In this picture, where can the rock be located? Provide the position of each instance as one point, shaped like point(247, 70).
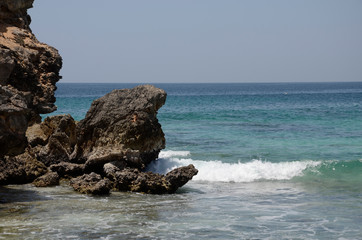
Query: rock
point(54, 139)
point(66, 169)
point(14, 12)
point(13, 121)
point(125, 178)
point(122, 126)
point(147, 182)
point(23, 168)
point(110, 169)
point(180, 176)
point(47, 180)
point(26, 64)
point(28, 73)
point(91, 184)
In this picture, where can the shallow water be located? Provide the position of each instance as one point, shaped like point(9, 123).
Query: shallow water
point(276, 161)
point(256, 210)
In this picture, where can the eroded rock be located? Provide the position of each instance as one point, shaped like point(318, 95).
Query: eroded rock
point(28, 73)
point(13, 121)
point(122, 126)
point(180, 176)
point(23, 168)
point(147, 182)
point(91, 184)
point(67, 169)
point(47, 180)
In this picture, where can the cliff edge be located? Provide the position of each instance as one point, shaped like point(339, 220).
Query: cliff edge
point(29, 71)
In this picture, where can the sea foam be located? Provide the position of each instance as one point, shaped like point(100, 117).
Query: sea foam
point(217, 171)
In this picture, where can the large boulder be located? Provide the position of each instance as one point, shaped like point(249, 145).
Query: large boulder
point(122, 126)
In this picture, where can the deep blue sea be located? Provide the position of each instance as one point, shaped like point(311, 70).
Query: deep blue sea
point(275, 160)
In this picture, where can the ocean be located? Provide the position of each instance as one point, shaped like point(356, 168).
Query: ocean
point(275, 161)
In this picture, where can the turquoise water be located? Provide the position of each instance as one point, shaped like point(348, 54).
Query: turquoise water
point(276, 161)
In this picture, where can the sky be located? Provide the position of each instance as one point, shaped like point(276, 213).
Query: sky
point(195, 41)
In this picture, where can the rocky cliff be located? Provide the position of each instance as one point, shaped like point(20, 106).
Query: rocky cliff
point(29, 70)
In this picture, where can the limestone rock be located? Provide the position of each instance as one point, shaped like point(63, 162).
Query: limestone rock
point(47, 180)
point(91, 184)
point(28, 73)
point(67, 169)
point(23, 168)
point(110, 169)
point(15, 12)
point(147, 182)
point(13, 121)
point(28, 65)
point(180, 176)
point(54, 139)
point(122, 126)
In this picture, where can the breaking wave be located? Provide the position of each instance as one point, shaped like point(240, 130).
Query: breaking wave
point(255, 170)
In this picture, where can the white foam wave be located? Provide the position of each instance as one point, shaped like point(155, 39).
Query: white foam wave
point(171, 153)
point(217, 171)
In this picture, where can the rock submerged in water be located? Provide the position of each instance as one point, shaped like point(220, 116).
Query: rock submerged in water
point(47, 180)
point(110, 147)
point(91, 184)
point(148, 182)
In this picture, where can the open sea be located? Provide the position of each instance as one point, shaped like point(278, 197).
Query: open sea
point(276, 161)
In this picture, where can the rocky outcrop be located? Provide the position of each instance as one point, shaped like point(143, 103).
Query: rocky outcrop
point(28, 73)
point(110, 147)
point(54, 139)
point(23, 168)
point(68, 170)
point(47, 180)
point(148, 182)
point(91, 184)
point(122, 126)
point(13, 121)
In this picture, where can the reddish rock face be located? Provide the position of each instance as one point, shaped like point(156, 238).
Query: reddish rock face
point(29, 70)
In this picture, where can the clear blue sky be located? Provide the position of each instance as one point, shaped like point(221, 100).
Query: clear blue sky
point(203, 40)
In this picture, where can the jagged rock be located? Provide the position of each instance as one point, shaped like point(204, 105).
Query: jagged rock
point(47, 180)
point(26, 64)
point(28, 73)
point(180, 176)
point(125, 178)
point(122, 126)
point(23, 168)
point(66, 169)
point(148, 182)
point(91, 184)
point(13, 121)
point(110, 169)
point(14, 12)
point(54, 139)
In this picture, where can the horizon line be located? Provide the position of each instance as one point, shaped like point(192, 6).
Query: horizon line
point(201, 82)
